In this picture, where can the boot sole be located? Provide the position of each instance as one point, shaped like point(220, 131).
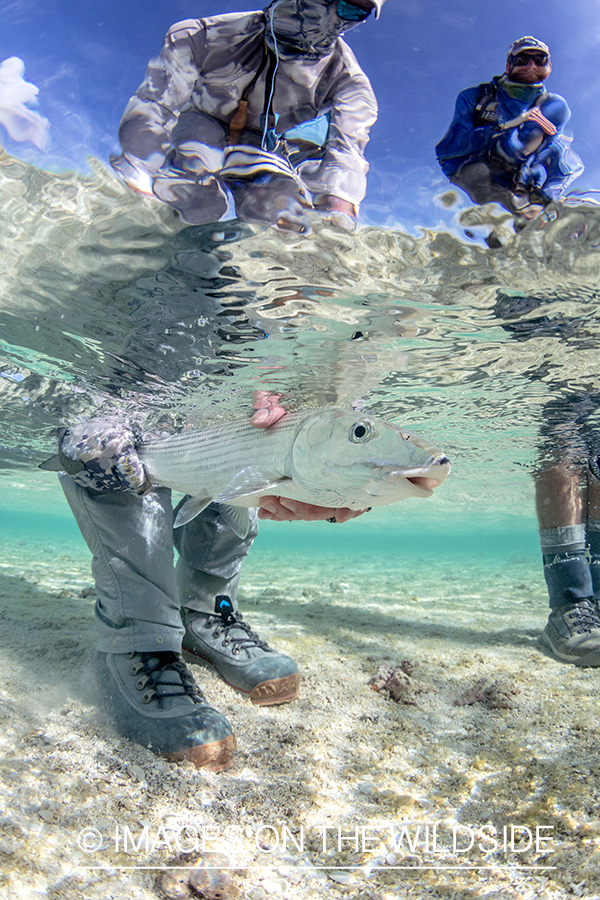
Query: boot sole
point(215, 756)
point(267, 693)
point(590, 660)
point(280, 690)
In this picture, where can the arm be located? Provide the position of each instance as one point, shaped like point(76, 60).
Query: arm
point(541, 124)
point(462, 139)
point(151, 114)
point(339, 182)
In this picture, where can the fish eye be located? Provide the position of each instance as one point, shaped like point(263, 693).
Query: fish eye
point(361, 432)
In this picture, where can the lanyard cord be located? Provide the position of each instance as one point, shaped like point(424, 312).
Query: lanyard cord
point(250, 86)
point(268, 104)
point(270, 82)
point(238, 122)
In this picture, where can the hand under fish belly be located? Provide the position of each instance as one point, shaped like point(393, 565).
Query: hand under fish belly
point(280, 509)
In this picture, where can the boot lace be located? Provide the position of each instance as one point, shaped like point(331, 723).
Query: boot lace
point(164, 675)
point(248, 640)
point(584, 616)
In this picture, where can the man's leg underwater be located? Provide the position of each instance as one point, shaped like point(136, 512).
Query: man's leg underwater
point(476, 180)
point(147, 690)
point(208, 573)
point(572, 632)
point(593, 533)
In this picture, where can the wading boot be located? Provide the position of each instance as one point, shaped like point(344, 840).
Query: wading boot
point(152, 699)
point(572, 633)
point(241, 658)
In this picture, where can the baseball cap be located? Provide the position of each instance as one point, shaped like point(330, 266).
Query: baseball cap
point(527, 43)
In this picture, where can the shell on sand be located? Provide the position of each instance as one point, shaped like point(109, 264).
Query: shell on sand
point(209, 876)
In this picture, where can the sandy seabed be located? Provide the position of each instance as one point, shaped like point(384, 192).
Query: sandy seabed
point(321, 788)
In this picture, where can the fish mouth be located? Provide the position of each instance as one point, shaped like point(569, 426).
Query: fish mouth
point(425, 479)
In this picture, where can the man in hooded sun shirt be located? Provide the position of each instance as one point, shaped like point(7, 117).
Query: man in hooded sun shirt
point(264, 115)
point(227, 115)
point(505, 142)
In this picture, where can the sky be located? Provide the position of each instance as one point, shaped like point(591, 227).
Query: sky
point(86, 59)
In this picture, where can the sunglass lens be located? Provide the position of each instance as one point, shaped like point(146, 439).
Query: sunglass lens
point(347, 10)
point(522, 59)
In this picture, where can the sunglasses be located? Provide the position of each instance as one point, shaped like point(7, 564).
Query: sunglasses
point(522, 59)
point(354, 12)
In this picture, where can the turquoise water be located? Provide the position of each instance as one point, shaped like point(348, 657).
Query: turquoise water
point(410, 541)
point(109, 303)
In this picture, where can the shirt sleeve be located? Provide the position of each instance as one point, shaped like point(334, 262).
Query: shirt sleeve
point(342, 171)
point(555, 109)
point(152, 112)
point(462, 139)
point(514, 142)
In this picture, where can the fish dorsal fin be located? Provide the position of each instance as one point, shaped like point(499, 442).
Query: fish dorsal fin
point(249, 481)
point(190, 509)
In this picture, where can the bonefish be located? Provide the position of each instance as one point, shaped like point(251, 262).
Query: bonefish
point(327, 457)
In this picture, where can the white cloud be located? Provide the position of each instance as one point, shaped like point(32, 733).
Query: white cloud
point(16, 94)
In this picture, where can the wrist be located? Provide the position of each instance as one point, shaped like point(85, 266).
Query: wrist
point(331, 203)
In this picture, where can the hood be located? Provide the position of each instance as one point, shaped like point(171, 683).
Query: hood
point(307, 28)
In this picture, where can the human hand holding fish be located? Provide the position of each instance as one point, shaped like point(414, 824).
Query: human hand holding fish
point(91, 451)
point(101, 454)
point(268, 409)
point(282, 509)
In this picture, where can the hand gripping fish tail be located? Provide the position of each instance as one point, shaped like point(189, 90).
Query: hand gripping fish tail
point(101, 454)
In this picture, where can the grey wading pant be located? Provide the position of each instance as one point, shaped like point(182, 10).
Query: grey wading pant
point(139, 591)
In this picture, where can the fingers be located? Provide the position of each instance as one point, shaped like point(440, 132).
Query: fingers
point(132, 475)
point(264, 418)
point(545, 124)
point(268, 409)
point(282, 509)
point(344, 515)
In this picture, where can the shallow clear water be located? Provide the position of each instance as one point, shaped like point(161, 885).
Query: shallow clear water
point(109, 302)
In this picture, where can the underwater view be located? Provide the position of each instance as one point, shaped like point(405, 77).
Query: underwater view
point(207, 308)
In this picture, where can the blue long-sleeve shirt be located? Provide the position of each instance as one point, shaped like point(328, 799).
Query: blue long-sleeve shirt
point(466, 141)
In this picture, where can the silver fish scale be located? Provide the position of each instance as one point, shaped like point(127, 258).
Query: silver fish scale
point(204, 462)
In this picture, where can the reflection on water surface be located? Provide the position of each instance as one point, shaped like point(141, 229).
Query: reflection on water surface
point(107, 298)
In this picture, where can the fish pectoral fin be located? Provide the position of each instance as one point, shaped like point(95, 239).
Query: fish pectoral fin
point(190, 509)
point(248, 482)
point(238, 519)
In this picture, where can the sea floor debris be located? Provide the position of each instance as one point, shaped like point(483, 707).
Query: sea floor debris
point(311, 775)
point(399, 683)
